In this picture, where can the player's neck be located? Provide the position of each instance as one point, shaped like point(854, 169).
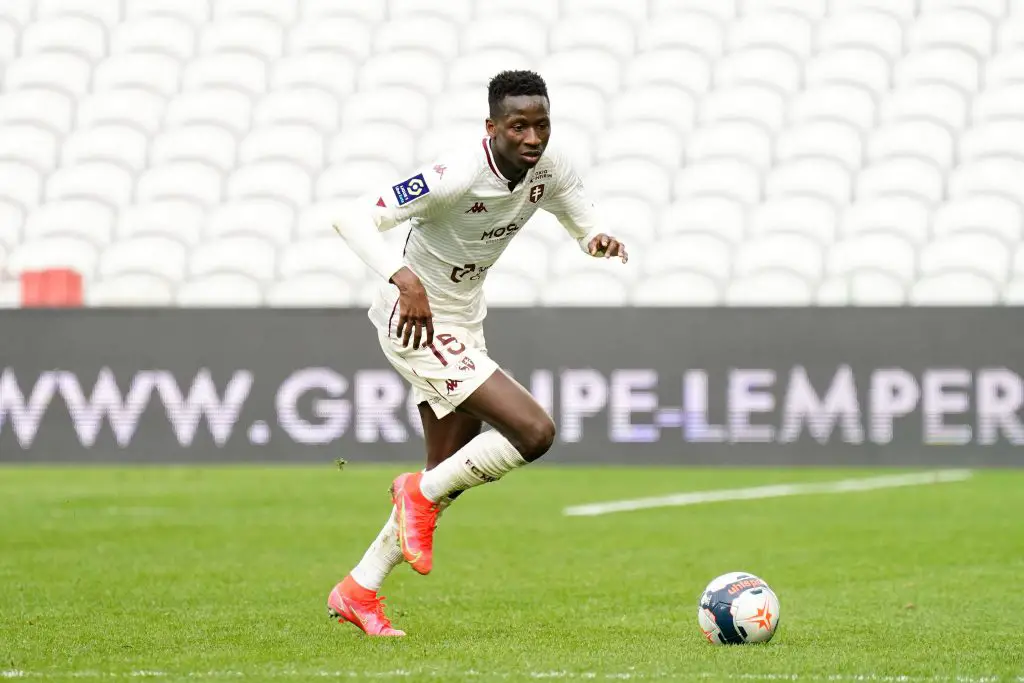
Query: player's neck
point(508, 171)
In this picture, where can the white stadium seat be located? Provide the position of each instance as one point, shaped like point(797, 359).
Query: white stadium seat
point(600, 30)
point(531, 255)
point(321, 34)
point(248, 255)
point(408, 108)
point(441, 140)
point(992, 9)
point(315, 220)
point(18, 11)
point(953, 28)
point(220, 290)
point(811, 217)
point(990, 214)
point(632, 178)
point(69, 34)
point(504, 32)
point(425, 33)
point(250, 34)
point(567, 259)
point(676, 289)
point(206, 144)
point(633, 13)
point(695, 31)
point(504, 289)
point(354, 178)
point(730, 178)
point(539, 13)
point(835, 140)
point(65, 73)
point(925, 140)
point(475, 69)
point(752, 103)
point(328, 71)
point(1011, 34)
point(11, 220)
point(816, 177)
point(194, 12)
point(904, 216)
point(676, 67)
point(771, 288)
point(993, 139)
point(164, 257)
point(20, 184)
point(851, 104)
point(577, 105)
point(629, 217)
point(457, 11)
point(387, 142)
point(720, 216)
point(178, 219)
point(723, 10)
point(937, 102)
point(975, 252)
point(9, 33)
point(369, 12)
point(76, 217)
point(988, 176)
point(301, 105)
point(96, 180)
point(906, 176)
point(156, 73)
point(130, 290)
point(281, 180)
point(953, 289)
point(904, 10)
point(882, 252)
point(64, 251)
point(183, 180)
point(778, 252)
point(858, 66)
point(694, 253)
point(743, 140)
point(867, 288)
point(786, 31)
point(326, 254)
point(39, 107)
point(949, 65)
point(245, 73)
point(1013, 293)
point(140, 109)
point(880, 31)
point(660, 103)
point(1005, 68)
point(585, 289)
point(107, 12)
point(311, 290)
point(766, 66)
point(813, 10)
point(268, 219)
point(279, 12)
point(112, 143)
point(656, 142)
point(589, 67)
point(29, 144)
point(298, 144)
point(172, 36)
point(1003, 102)
point(413, 69)
point(229, 109)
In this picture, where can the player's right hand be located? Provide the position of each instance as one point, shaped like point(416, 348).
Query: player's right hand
point(415, 321)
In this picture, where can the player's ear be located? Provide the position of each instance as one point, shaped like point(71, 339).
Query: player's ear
point(491, 127)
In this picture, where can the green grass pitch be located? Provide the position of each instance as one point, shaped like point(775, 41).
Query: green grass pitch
point(222, 574)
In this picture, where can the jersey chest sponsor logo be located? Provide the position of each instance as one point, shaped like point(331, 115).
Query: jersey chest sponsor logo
point(497, 233)
point(411, 189)
point(542, 174)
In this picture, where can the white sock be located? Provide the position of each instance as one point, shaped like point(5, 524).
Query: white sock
point(488, 457)
point(383, 555)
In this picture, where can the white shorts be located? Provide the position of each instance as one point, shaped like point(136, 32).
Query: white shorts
point(448, 371)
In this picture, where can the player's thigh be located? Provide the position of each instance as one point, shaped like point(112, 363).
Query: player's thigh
point(507, 406)
point(444, 436)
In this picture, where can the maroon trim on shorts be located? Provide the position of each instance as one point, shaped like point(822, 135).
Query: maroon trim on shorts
point(393, 309)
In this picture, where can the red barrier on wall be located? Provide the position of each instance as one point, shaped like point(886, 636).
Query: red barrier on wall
point(55, 288)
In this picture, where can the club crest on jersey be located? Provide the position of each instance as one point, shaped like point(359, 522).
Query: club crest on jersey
point(536, 192)
point(411, 189)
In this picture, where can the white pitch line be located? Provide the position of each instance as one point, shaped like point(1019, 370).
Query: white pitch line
point(774, 491)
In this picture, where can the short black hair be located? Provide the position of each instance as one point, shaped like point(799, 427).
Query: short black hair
point(513, 84)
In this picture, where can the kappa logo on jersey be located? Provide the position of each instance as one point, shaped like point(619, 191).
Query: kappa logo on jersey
point(440, 169)
point(477, 208)
point(412, 188)
point(451, 385)
point(536, 192)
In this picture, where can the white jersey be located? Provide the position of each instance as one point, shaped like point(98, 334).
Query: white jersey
point(461, 215)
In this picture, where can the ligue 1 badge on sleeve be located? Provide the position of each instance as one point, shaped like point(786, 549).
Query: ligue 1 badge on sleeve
point(411, 189)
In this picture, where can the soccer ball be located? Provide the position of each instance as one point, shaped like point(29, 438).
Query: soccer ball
point(738, 608)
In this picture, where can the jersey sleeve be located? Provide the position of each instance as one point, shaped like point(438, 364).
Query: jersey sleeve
point(426, 193)
point(572, 205)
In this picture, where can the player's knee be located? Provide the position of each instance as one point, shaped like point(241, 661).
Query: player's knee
point(536, 440)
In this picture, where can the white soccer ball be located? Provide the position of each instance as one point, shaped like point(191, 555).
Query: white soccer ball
point(738, 608)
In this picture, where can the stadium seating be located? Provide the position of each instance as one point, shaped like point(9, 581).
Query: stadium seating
point(750, 152)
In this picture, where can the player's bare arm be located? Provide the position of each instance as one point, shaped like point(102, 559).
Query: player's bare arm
point(415, 320)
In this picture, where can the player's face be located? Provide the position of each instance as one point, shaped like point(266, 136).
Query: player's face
point(521, 133)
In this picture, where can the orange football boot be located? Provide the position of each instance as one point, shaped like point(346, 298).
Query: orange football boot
point(417, 519)
point(351, 602)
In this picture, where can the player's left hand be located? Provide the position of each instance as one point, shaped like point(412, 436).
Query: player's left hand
point(607, 246)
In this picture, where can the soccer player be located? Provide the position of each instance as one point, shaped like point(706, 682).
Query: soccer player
point(462, 212)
